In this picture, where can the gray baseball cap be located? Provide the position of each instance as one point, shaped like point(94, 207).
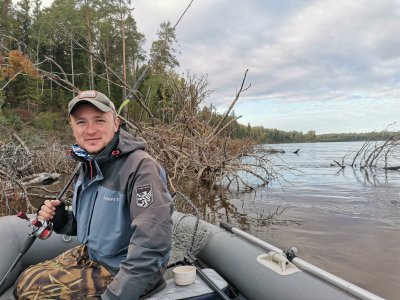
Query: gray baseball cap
point(99, 100)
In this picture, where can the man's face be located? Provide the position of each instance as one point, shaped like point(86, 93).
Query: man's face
point(92, 128)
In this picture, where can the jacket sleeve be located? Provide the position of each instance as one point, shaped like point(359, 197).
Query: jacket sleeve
point(150, 244)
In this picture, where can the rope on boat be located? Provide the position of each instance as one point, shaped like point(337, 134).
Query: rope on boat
point(189, 234)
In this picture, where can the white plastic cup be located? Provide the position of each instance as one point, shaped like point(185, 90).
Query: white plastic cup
point(184, 275)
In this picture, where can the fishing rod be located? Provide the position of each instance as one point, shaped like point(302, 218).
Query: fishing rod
point(303, 265)
point(41, 229)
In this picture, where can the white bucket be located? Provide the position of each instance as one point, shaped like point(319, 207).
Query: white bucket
point(184, 275)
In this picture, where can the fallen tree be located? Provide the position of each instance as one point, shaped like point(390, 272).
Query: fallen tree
point(375, 153)
point(25, 166)
point(195, 149)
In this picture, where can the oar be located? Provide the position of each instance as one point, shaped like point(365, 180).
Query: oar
point(324, 275)
point(40, 228)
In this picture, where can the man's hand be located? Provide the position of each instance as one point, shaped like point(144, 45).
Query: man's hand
point(48, 209)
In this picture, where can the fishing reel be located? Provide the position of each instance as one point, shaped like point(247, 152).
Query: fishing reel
point(42, 229)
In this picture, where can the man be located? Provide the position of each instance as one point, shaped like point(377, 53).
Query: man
point(121, 214)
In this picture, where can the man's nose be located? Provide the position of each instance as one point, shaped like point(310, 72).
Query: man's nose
point(91, 127)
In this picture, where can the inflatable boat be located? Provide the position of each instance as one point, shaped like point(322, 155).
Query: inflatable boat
point(231, 264)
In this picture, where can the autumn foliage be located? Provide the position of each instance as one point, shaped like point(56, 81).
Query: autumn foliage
point(16, 63)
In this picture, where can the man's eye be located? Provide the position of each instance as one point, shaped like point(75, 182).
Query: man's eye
point(80, 123)
point(100, 121)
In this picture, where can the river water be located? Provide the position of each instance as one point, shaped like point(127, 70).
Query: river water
point(346, 221)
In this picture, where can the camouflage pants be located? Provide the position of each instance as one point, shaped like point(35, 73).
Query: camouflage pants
point(71, 275)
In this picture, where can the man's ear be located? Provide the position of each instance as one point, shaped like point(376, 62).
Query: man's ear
point(117, 123)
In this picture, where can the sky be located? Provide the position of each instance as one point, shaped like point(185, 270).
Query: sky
point(325, 65)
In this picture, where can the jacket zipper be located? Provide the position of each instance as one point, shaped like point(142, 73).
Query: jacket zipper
point(91, 169)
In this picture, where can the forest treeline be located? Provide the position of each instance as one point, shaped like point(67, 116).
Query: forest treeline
point(46, 54)
point(267, 135)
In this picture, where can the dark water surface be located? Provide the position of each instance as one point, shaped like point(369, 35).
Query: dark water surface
point(344, 221)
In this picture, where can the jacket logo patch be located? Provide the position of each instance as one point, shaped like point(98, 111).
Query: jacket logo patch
point(144, 195)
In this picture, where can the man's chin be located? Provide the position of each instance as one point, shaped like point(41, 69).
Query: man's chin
point(93, 150)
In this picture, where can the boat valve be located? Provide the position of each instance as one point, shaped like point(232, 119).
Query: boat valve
point(42, 229)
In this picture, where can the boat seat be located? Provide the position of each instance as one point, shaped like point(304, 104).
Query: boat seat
point(199, 290)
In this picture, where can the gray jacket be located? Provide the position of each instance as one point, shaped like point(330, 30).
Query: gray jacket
point(122, 212)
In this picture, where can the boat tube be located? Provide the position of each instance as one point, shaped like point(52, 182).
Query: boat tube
point(253, 268)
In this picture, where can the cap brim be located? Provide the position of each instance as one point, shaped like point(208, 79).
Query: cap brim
point(95, 103)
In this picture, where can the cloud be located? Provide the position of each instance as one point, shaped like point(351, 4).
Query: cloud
point(297, 53)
